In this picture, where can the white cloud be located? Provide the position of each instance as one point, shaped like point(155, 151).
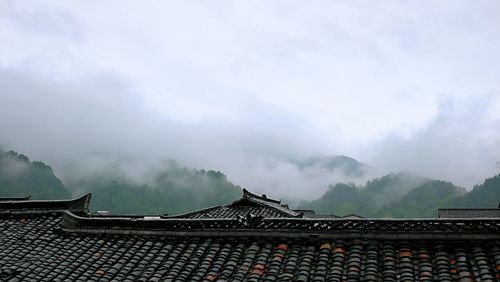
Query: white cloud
point(244, 80)
point(460, 144)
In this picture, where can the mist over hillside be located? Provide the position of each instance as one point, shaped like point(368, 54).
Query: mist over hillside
point(366, 199)
point(308, 177)
point(424, 200)
point(20, 177)
point(300, 178)
point(342, 164)
point(418, 197)
point(284, 98)
point(173, 188)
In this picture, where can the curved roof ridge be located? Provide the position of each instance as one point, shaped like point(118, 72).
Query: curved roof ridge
point(187, 214)
point(80, 204)
point(263, 200)
point(263, 197)
point(367, 228)
point(23, 198)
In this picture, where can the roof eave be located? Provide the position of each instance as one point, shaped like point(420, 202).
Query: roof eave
point(80, 205)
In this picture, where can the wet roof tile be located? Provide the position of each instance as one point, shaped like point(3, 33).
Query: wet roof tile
point(34, 246)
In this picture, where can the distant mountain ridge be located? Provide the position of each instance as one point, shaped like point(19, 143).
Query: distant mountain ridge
point(485, 195)
point(365, 200)
point(404, 195)
point(176, 189)
point(347, 165)
point(424, 200)
point(392, 187)
point(21, 177)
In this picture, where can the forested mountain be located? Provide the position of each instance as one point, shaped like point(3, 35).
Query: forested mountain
point(342, 199)
point(20, 177)
point(404, 195)
point(175, 189)
point(346, 165)
point(423, 201)
point(486, 195)
point(391, 187)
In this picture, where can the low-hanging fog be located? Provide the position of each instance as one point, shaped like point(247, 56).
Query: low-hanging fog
point(253, 89)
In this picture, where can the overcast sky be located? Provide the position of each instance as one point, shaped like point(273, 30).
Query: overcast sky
point(244, 86)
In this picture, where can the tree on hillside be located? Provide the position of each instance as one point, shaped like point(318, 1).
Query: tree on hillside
point(486, 195)
point(20, 177)
point(175, 189)
point(342, 199)
point(423, 201)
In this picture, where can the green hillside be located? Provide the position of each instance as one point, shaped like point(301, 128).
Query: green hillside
point(486, 195)
point(391, 187)
point(175, 189)
point(20, 177)
point(423, 201)
point(348, 166)
point(342, 199)
point(397, 195)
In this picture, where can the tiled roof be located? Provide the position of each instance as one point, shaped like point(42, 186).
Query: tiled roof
point(329, 228)
point(256, 205)
point(231, 212)
point(249, 204)
point(45, 244)
point(34, 248)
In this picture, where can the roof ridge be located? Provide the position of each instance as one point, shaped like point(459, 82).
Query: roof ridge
point(476, 229)
point(263, 197)
point(280, 208)
point(23, 198)
point(270, 203)
point(182, 215)
point(80, 204)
